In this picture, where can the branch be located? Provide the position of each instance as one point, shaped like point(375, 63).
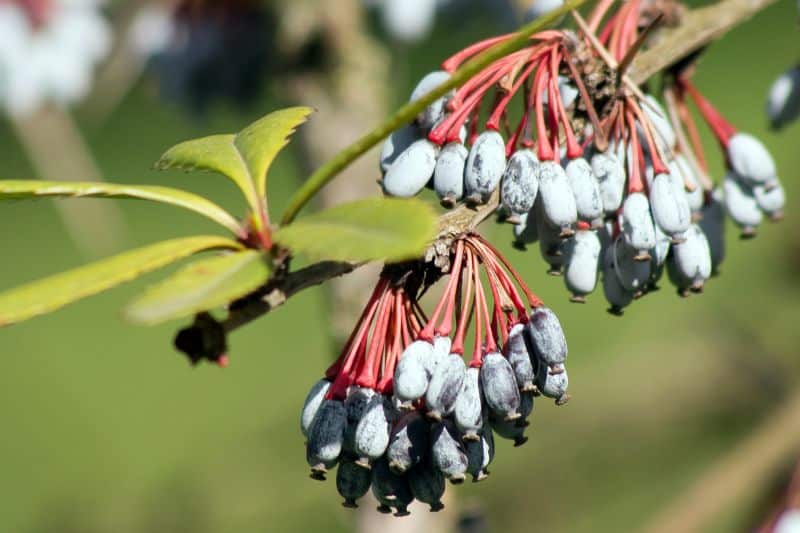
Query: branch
point(698, 28)
point(743, 471)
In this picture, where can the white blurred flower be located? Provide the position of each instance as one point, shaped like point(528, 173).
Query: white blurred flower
point(49, 57)
point(409, 20)
point(152, 30)
point(789, 522)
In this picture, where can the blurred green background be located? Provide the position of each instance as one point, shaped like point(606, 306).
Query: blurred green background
point(106, 428)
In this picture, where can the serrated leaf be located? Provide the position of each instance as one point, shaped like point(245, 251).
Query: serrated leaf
point(388, 229)
point(244, 158)
point(200, 286)
point(260, 142)
point(51, 293)
point(23, 189)
point(216, 153)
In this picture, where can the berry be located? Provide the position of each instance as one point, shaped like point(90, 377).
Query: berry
point(447, 452)
point(352, 482)
point(436, 110)
point(783, 99)
point(741, 204)
point(486, 163)
point(557, 201)
point(610, 175)
point(517, 353)
point(412, 169)
point(637, 225)
point(326, 436)
point(397, 143)
point(499, 386)
point(520, 184)
point(468, 413)
point(445, 384)
point(448, 176)
point(409, 442)
point(390, 489)
point(411, 377)
point(670, 206)
point(586, 190)
point(544, 337)
point(427, 485)
point(582, 264)
point(313, 401)
point(372, 432)
point(750, 159)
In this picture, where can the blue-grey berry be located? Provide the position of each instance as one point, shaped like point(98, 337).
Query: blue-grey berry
point(427, 485)
point(372, 432)
point(409, 441)
point(750, 159)
point(741, 204)
point(355, 404)
point(500, 388)
point(390, 489)
point(447, 451)
point(432, 114)
point(637, 225)
point(486, 163)
point(412, 170)
point(632, 273)
point(445, 384)
point(448, 175)
point(557, 201)
point(411, 376)
point(670, 205)
point(326, 436)
point(397, 143)
point(582, 264)
point(520, 359)
point(610, 175)
point(545, 337)
point(553, 383)
point(479, 455)
point(468, 411)
point(520, 184)
point(586, 190)
point(352, 482)
point(783, 99)
point(313, 400)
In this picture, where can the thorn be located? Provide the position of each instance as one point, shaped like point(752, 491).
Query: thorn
point(637, 45)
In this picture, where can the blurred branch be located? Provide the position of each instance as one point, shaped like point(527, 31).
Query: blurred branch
point(57, 151)
point(698, 28)
point(669, 47)
point(749, 466)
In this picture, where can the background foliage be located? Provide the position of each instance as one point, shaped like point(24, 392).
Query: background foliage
point(105, 428)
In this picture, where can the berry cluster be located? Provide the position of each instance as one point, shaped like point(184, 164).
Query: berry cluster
point(48, 51)
point(402, 412)
point(595, 170)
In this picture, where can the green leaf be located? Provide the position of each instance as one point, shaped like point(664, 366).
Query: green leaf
point(48, 294)
point(389, 229)
point(200, 286)
point(215, 154)
point(35, 188)
point(244, 158)
point(260, 142)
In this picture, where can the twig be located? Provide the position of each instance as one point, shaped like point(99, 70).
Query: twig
point(744, 470)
